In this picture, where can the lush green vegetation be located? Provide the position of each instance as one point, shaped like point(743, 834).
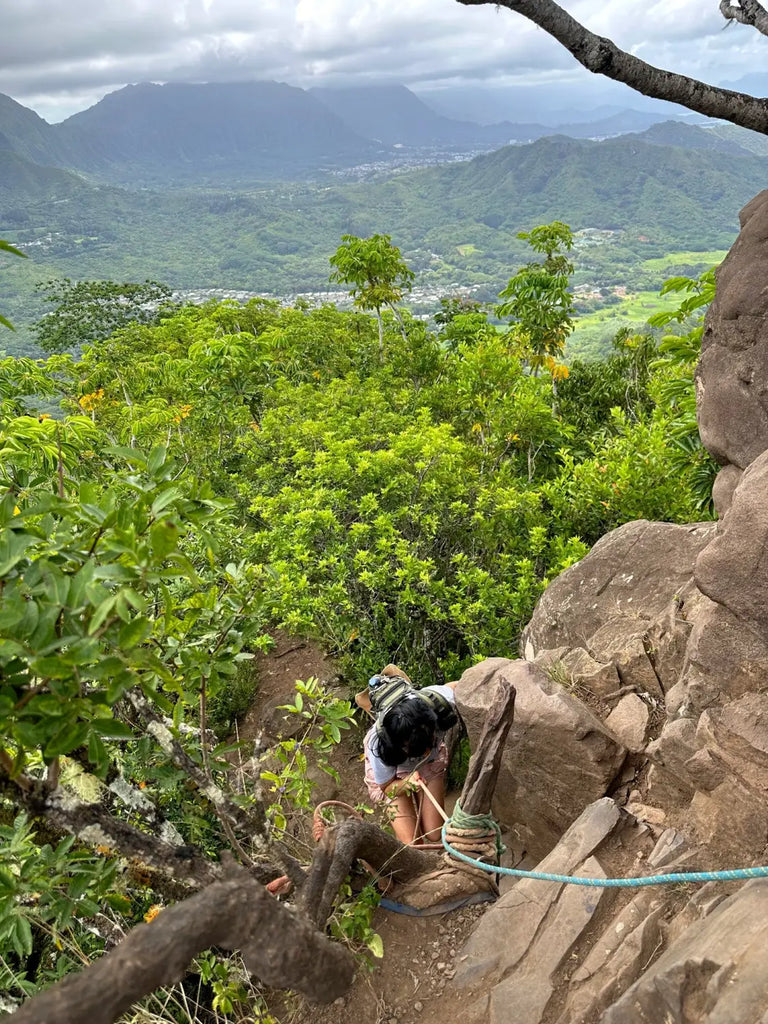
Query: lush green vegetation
point(404, 495)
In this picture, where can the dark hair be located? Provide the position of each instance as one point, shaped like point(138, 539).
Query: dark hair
point(409, 729)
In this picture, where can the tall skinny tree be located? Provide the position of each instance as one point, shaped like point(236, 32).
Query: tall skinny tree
point(537, 299)
point(377, 272)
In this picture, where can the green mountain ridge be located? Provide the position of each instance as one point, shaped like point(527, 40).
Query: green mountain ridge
point(456, 224)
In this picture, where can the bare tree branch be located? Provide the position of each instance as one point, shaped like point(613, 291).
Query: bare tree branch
point(252, 820)
point(278, 946)
point(603, 57)
point(747, 12)
point(358, 840)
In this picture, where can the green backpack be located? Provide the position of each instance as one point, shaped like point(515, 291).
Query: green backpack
point(386, 691)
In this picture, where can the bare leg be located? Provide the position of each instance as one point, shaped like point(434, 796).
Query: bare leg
point(431, 821)
point(405, 821)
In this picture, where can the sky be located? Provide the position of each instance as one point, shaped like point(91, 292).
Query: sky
point(60, 57)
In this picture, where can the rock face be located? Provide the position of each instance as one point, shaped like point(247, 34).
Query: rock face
point(715, 971)
point(520, 913)
point(732, 375)
point(520, 966)
point(733, 569)
point(631, 573)
point(558, 757)
point(623, 612)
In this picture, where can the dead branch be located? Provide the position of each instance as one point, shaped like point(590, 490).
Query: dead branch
point(484, 764)
point(355, 840)
point(603, 57)
point(278, 946)
point(746, 12)
point(252, 820)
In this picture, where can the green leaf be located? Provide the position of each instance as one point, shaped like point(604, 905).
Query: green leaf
point(112, 729)
point(118, 902)
point(71, 736)
point(22, 937)
point(134, 632)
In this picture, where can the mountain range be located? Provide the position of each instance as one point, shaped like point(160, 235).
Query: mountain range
point(239, 133)
point(173, 183)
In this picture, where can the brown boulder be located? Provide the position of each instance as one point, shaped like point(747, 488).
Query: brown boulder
point(625, 642)
point(715, 971)
point(635, 572)
point(629, 722)
point(576, 668)
point(724, 659)
point(557, 760)
point(733, 569)
point(732, 374)
point(726, 482)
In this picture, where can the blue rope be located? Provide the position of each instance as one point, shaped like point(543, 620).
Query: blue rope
point(609, 883)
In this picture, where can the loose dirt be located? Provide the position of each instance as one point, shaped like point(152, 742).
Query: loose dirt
point(407, 984)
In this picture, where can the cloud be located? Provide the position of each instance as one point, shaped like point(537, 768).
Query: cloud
point(54, 53)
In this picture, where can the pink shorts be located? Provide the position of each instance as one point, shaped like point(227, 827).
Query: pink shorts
point(428, 771)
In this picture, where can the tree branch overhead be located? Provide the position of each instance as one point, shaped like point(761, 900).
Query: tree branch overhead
point(602, 57)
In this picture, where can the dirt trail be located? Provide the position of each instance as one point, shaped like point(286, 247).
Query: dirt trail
point(406, 986)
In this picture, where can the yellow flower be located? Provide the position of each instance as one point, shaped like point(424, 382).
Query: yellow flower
point(90, 401)
point(152, 913)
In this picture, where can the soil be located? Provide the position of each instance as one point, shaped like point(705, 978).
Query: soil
point(407, 984)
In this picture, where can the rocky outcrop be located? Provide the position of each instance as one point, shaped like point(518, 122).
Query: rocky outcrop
point(732, 375)
point(621, 617)
point(558, 758)
point(559, 953)
point(733, 569)
point(715, 971)
point(519, 914)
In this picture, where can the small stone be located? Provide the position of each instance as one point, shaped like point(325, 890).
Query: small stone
point(341, 1001)
point(441, 966)
point(418, 1007)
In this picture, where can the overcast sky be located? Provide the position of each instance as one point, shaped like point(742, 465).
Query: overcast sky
point(59, 57)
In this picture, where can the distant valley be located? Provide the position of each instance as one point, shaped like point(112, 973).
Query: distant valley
point(204, 211)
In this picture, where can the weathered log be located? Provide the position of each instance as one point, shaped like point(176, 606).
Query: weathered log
point(278, 946)
point(355, 840)
point(480, 783)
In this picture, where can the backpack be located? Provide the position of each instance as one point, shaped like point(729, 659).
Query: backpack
point(386, 691)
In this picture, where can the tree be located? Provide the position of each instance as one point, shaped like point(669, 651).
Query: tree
point(603, 57)
point(87, 311)
point(537, 297)
point(377, 272)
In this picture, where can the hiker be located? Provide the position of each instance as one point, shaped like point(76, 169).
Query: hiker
point(406, 748)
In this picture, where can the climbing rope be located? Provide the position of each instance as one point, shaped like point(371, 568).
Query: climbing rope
point(463, 822)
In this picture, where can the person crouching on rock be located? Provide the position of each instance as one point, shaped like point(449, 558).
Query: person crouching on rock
point(405, 748)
